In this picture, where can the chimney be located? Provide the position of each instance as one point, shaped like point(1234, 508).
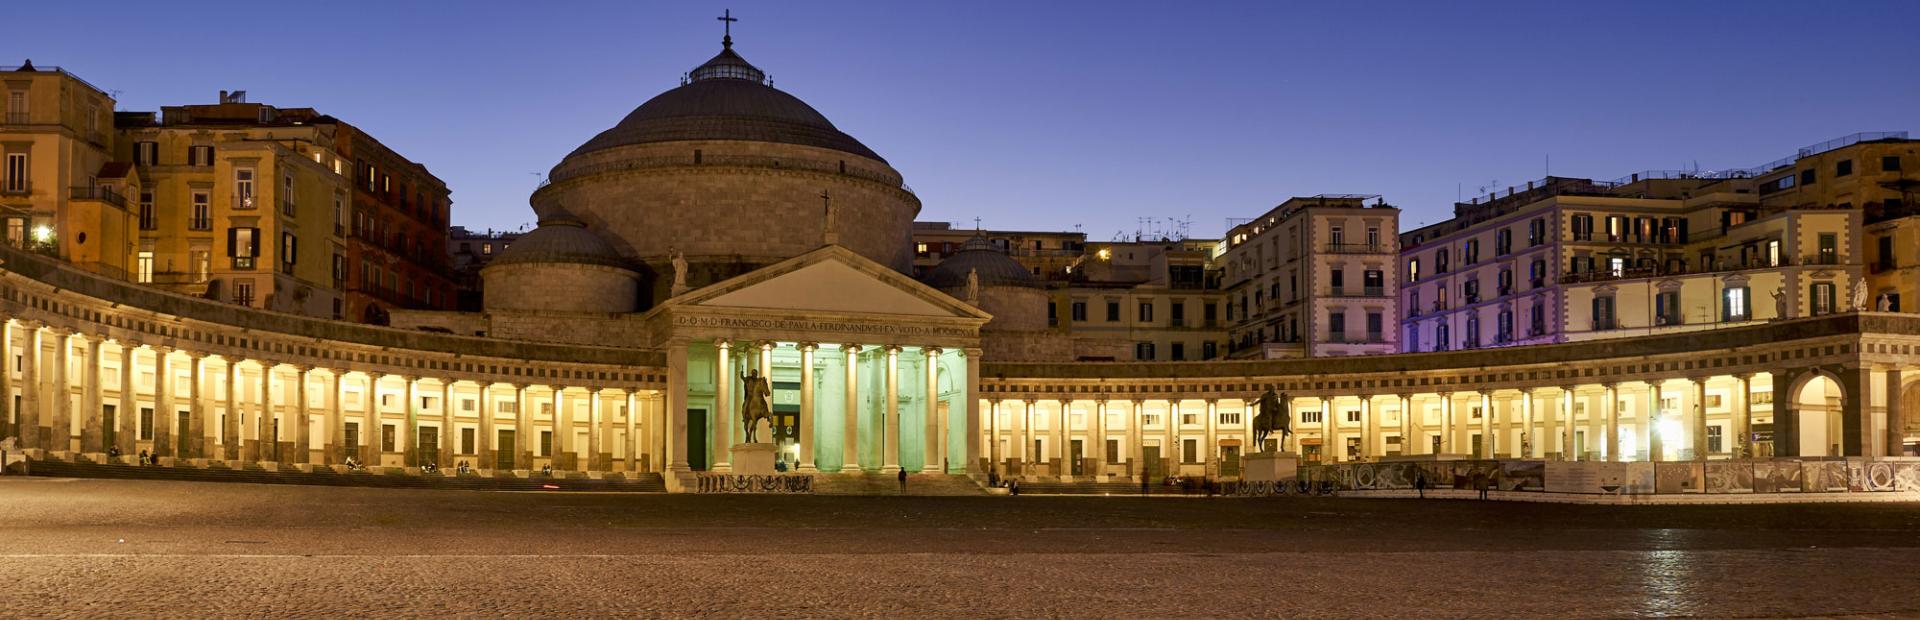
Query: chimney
point(223, 97)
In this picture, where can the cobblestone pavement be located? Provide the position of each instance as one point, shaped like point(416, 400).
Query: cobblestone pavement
point(91, 548)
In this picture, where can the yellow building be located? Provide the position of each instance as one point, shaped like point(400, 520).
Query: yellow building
point(61, 191)
point(245, 203)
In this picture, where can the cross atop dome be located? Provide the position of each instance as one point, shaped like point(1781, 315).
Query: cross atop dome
point(726, 17)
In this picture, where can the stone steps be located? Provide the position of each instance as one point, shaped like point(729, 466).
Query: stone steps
point(1084, 488)
point(889, 484)
point(325, 476)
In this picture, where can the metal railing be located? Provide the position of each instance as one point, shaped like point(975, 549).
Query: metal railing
point(103, 194)
point(200, 223)
point(246, 201)
point(19, 118)
point(1356, 248)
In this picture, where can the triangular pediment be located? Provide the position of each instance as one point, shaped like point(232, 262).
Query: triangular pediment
point(829, 280)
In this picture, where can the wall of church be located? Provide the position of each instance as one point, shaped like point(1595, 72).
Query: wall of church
point(560, 288)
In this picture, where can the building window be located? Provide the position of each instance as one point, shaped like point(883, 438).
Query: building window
point(1503, 327)
point(243, 292)
point(1208, 350)
point(1603, 313)
point(1338, 235)
point(1440, 261)
point(1338, 281)
point(16, 181)
point(1807, 177)
point(1820, 298)
point(1735, 304)
point(1113, 311)
point(1143, 351)
point(1374, 323)
point(1413, 270)
point(286, 194)
point(1829, 249)
point(146, 424)
point(144, 266)
point(386, 437)
point(1844, 168)
point(243, 246)
point(289, 252)
point(1582, 227)
point(201, 262)
point(1337, 326)
point(467, 441)
point(201, 216)
point(1146, 311)
point(146, 212)
point(146, 153)
point(1715, 440)
point(1473, 332)
point(1079, 311)
point(1179, 351)
point(243, 188)
point(200, 156)
point(17, 107)
point(1666, 308)
point(1890, 163)
point(1502, 242)
point(1470, 255)
point(1536, 231)
point(1373, 282)
point(1373, 238)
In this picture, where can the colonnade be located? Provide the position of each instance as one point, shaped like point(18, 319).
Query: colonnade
point(1717, 416)
point(58, 396)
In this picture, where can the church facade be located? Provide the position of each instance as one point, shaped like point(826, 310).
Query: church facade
point(725, 234)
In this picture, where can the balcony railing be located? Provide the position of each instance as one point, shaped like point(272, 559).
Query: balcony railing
point(19, 118)
point(1822, 259)
point(103, 194)
point(246, 201)
point(1365, 291)
point(1356, 248)
point(200, 223)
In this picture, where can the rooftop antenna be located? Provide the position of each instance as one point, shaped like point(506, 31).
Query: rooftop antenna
point(726, 17)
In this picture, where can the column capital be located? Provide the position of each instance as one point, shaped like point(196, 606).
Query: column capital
point(808, 347)
point(303, 368)
point(723, 344)
point(850, 348)
point(892, 349)
point(764, 345)
point(161, 349)
point(556, 388)
point(127, 343)
point(60, 330)
point(30, 323)
point(931, 351)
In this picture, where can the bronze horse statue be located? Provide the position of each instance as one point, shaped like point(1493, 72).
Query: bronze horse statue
point(755, 406)
point(1273, 416)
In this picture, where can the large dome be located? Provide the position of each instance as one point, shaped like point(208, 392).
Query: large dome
point(727, 99)
point(990, 264)
point(560, 238)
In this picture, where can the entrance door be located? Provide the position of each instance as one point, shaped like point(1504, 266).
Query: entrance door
point(1476, 447)
point(503, 454)
point(109, 427)
point(697, 439)
point(429, 445)
point(182, 445)
point(1077, 465)
point(352, 447)
point(1230, 460)
point(1151, 465)
point(785, 428)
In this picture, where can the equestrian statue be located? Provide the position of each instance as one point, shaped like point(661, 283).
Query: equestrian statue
point(755, 406)
point(1273, 416)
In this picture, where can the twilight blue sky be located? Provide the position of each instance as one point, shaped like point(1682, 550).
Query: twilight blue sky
point(1048, 115)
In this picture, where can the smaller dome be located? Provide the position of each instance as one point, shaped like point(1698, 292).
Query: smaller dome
point(990, 264)
point(560, 238)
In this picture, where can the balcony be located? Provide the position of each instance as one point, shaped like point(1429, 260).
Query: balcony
point(19, 118)
point(102, 194)
point(1365, 291)
point(200, 223)
point(245, 201)
point(1823, 258)
point(1356, 248)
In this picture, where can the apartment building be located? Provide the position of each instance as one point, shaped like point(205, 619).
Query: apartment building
point(1568, 259)
point(62, 191)
point(1149, 300)
point(1313, 277)
point(241, 204)
point(1047, 254)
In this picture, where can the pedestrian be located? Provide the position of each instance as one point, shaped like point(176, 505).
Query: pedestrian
point(993, 478)
point(903, 481)
point(1420, 483)
point(1013, 486)
point(143, 457)
point(1482, 481)
point(1145, 488)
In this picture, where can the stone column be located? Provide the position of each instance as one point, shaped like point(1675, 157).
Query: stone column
point(935, 454)
point(1743, 417)
point(8, 415)
point(1409, 444)
point(1489, 442)
point(1210, 443)
point(1649, 421)
point(236, 445)
point(1063, 438)
point(809, 435)
point(270, 433)
point(61, 422)
point(337, 448)
point(1017, 438)
point(302, 416)
point(971, 358)
point(1172, 427)
point(595, 419)
point(724, 418)
point(850, 444)
point(603, 441)
point(993, 436)
point(1786, 415)
point(408, 435)
point(90, 438)
point(31, 413)
point(1549, 428)
point(1611, 409)
point(675, 413)
point(1098, 431)
point(197, 406)
point(1136, 438)
point(1369, 430)
point(1895, 431)
point(562, 453)
point(376, 432)
point(485, 450)
point(1448, 442)
point(164, 415)
point(890, 435)
point(522, 425)
point(449, 432)
point(1699, 418)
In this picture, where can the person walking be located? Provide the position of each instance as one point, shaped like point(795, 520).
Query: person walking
point(1145, 487)
point(1420, 483)
point(903, 481)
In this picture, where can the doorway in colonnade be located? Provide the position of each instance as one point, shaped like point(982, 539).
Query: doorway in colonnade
point(503, 452)
point(1818, 405)
point(1151, 466)
point(182, 435)
point(109, 426)
point(1076, 461)
point(697, 439)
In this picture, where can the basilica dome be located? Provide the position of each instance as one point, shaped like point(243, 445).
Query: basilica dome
point(560, 267)
point(733, 175)
point(1016, 299)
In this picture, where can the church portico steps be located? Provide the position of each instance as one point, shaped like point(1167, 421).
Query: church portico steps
point(874, 483)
